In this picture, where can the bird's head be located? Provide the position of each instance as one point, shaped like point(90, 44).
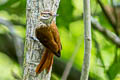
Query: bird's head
point(47, 17)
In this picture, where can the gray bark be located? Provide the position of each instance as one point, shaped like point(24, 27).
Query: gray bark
point(33, 49)
point(87, 40)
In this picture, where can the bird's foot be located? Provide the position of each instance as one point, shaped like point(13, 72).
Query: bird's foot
point(34, 38)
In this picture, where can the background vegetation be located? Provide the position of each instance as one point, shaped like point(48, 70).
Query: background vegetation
point(105, 57)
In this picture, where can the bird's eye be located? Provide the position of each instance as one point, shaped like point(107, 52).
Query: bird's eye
point(45, 15)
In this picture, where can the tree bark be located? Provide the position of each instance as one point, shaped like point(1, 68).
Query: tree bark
point(87, 40)
point(33, 49)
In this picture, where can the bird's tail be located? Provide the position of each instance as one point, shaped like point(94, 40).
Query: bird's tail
point(45, 62)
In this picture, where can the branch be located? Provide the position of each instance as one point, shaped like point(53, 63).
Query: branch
point(98, 27)
point(80, 17)
point(110, 35)
point(18, 42)
point(114, 10)
point(111, 20)
point(7, 24)
point(87, 40)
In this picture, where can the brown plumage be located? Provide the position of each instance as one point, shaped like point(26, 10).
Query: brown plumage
point(46, 61)
point(49, 37)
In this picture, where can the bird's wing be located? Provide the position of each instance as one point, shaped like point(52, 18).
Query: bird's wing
point(46, 37)
point(56, 35)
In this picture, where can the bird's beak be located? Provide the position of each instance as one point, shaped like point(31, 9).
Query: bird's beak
point(55, 15)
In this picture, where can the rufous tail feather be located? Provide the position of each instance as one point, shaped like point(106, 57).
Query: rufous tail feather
point(45, 62)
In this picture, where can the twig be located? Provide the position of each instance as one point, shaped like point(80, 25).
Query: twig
point(111, 21)
point(87, 40)
point(115, 15)
point(110, 35)
point(98, 52)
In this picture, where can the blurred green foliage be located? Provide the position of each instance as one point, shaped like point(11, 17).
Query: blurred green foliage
point(14, 6)
point(7, 66)
point(70, 32)
point(66, 13)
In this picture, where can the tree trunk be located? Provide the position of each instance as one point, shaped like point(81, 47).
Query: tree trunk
point(87, 36)
point(33, 49)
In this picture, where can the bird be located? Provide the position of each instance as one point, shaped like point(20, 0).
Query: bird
point(47, 33)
